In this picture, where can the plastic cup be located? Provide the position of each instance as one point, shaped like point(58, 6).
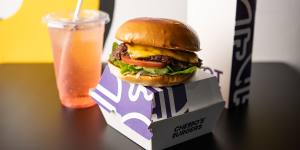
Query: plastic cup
point(77, 48)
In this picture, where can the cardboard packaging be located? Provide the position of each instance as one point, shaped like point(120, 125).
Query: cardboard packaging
point(157, 118)
point(225, 29)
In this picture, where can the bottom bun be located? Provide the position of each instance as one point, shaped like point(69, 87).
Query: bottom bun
point(146, 80)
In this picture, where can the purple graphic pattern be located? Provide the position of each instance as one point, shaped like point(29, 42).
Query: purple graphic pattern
point(138, 105)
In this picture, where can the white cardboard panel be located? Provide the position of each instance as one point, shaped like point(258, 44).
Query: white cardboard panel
point(167, 132)
point(114, 121)
point(214, 21)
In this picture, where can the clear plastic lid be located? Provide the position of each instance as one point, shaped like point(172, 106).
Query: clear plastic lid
point(64, 19)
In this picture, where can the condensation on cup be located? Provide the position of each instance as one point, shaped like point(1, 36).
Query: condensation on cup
point(77, 49)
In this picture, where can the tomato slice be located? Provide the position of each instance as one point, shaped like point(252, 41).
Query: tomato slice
point(143, 63)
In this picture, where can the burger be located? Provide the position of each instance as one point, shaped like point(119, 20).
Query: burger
point(154, 52)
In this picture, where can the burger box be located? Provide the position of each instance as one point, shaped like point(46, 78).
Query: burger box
point(226, 30)
point(157, 118)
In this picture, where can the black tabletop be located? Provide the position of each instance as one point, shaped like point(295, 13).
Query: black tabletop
point(31, 116)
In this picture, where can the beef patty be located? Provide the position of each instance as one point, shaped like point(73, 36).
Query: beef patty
point(121, 50)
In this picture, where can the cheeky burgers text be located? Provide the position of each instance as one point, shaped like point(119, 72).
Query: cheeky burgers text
point(188, 127)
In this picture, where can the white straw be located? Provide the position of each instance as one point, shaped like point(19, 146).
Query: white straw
point(65, 50)
point(77, 10)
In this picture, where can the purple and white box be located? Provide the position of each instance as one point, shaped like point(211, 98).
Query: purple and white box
point(226, 30)
point(157, 118)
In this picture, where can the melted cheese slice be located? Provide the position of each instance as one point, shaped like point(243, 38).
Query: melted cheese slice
point(138, 51)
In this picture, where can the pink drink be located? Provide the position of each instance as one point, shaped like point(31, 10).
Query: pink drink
point(77, 47)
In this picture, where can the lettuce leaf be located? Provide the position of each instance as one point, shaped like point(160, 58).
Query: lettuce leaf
point(157, 71)
point(126, 68)
point(115, 45)
point(186, 71)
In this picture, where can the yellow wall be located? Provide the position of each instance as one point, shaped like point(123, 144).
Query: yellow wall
point(24, 38)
